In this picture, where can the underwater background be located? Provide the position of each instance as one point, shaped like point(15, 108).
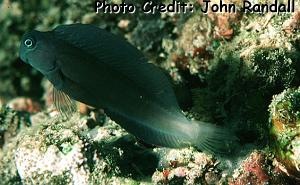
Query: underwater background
point(238, 70)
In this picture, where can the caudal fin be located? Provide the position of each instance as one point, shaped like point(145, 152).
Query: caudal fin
point(214, 139)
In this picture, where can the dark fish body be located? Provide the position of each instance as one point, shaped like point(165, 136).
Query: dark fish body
point(102, 70)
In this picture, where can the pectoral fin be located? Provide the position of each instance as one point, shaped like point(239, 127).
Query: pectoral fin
point(63, 103)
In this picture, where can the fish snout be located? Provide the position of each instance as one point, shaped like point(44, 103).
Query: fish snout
point(23, 58)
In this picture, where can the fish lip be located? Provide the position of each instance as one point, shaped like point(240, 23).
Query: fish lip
point(25, 60)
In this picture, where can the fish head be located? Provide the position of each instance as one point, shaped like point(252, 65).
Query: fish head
point(37, 49)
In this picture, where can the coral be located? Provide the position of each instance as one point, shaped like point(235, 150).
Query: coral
point(15, 78)
point(56, 151)
point(254, 165)
point(11, 123)
point(225, 21)
point(51, 153)
point(24, 105)
point(192, 48)
point(284, 118)
point(245, 73)
point(293, 24)
point(9, 174)
point(153, 32)
point(258, 168)
point(275, 66)
point(185, 166)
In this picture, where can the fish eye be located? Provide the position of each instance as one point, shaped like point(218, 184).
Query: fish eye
point(29, 43)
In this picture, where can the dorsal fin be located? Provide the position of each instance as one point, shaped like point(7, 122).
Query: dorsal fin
point(122, 56)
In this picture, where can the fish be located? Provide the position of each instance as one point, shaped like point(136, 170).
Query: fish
point(91, 65)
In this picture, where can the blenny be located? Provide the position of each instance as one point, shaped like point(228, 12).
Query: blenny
point(93, 66)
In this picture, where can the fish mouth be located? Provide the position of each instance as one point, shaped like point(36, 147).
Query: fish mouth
point(23, 57)
point(25, 60)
